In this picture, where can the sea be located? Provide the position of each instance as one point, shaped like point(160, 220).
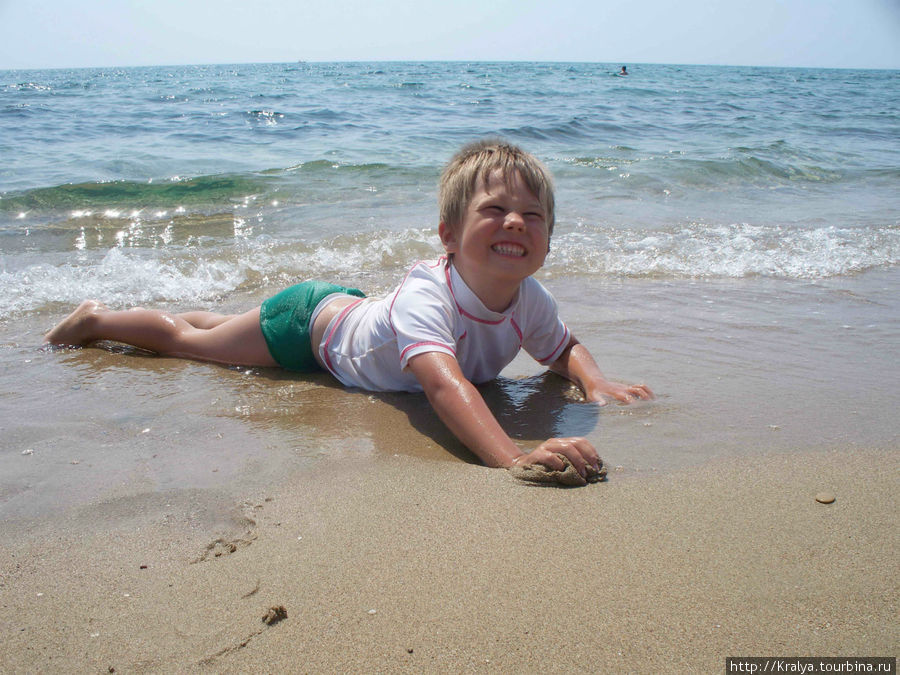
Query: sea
point(728, 235)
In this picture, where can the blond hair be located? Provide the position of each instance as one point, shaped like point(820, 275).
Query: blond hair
point(476, 162)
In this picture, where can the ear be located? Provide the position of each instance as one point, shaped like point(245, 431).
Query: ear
point(448, 238)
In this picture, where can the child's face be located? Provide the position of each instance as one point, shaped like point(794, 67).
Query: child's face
point(503, 237)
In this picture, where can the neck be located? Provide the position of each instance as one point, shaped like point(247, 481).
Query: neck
point(496, 296)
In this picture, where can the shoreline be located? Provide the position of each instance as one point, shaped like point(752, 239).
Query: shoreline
point(738, 368)
point(467, 569)
point(152, 510)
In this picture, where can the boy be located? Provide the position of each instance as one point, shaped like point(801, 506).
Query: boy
point(451, 322)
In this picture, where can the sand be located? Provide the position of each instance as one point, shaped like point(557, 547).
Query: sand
point(153, 512)
point(567, 477)
point(405, 564)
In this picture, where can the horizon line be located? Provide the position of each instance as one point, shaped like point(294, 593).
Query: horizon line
point(473, 61)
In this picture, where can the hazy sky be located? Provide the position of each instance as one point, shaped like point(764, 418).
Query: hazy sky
point(827, 33)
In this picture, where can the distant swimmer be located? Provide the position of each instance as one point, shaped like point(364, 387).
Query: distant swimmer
point(623, 71)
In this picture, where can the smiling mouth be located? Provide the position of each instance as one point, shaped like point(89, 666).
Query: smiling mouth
point(511, 250)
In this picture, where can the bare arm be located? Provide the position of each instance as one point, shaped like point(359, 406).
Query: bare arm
point(461, 407)
point(577, 364)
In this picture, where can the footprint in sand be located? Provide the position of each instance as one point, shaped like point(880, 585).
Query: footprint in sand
point(226, 546)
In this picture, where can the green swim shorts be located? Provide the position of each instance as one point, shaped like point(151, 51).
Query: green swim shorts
point(284, 320)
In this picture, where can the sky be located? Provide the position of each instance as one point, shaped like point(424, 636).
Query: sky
point(805, 33)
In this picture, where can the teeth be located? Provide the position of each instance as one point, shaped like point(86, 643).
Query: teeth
point(508, 249)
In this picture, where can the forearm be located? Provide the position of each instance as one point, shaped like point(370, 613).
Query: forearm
point(462, 408)
point(577, 365)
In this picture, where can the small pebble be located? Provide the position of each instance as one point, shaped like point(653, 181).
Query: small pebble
point(373, 611)
point(825, 498)
point(274, 615)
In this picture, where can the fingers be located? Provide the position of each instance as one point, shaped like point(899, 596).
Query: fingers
point(629, 393)
point(551, 460)
point(578, 450)
point(642, 391)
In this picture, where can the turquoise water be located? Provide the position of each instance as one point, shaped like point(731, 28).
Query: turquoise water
point(731, 236)
point(185, 183)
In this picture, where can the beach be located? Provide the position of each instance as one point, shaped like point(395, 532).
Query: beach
point(728, 236)
point(398, 564)
point(182, 502)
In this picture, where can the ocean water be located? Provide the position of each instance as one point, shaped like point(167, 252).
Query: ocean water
point(190, 184)
point(729, 235)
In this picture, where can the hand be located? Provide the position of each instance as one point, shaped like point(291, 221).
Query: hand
point(578, 450)
point(626, 393)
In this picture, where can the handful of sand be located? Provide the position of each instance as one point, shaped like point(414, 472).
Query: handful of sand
point(538, 473)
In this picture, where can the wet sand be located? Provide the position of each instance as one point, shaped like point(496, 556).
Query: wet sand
point(405, 564)
point(153, 511)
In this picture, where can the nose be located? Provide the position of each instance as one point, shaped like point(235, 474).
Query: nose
point(514, 222)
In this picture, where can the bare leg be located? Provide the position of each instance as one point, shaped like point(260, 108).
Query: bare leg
point(205, 319)
point(71, 330)
point(236, 340)
point(199, 319)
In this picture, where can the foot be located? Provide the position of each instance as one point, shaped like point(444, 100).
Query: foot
point(73, 330)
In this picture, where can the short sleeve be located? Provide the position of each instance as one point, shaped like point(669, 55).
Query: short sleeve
point(422, 316)
point(544, 335)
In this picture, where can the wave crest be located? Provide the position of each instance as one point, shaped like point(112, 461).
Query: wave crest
point(729, 251)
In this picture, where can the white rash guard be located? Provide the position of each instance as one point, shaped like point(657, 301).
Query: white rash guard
point(370, 342)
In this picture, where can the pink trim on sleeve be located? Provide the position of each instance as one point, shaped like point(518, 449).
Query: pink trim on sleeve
point(552, 356)
point(444, 347)
point(516, 328)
